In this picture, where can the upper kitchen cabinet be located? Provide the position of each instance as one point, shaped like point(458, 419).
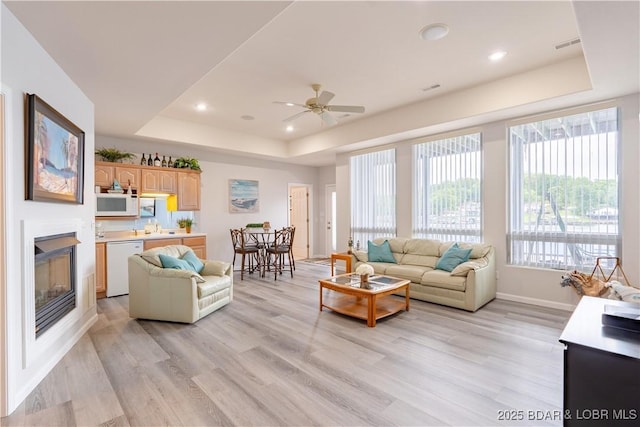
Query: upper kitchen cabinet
point(126, 175)
point(159, 181)
point(185, 183)
point(189, 191)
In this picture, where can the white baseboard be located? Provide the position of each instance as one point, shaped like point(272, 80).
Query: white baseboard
point(536, 301)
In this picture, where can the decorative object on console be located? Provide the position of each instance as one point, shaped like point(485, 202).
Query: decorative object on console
point(114, 155)
point(55, 155)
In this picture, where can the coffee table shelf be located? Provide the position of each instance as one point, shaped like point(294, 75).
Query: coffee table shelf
point(349, 298)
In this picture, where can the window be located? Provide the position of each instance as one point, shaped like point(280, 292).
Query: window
point(564, 191)
point(447, 189)
point(373, 195)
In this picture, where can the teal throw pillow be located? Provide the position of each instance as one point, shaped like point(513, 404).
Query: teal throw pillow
point(171, 262)
point(453, 257)
point(194, 261)
point(381, 253)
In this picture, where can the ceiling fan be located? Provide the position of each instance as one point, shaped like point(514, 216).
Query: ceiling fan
point(320, 105)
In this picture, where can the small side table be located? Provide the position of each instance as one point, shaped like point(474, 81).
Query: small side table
point(342, 256)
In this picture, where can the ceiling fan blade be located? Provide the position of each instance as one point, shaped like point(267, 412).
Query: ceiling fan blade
point(328, 119)
point(295, 116)
point(346, 108)
point(289, 104)
point(325, 97)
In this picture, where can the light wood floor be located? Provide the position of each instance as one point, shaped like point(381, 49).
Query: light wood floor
point(270, 358)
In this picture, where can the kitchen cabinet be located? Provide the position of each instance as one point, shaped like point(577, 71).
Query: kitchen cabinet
point(189, 191)
point(105, 173)
point(159, 181)
point(158, 243)
point(101, 270)
point(198, 244)
point(185, 183)
point(126, 175)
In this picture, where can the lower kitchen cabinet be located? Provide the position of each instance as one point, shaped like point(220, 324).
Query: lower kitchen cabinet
point(101, 270)
point(198, 244)
point(158, 243)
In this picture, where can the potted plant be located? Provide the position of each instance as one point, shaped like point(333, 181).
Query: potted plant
point(185, 223)
point(113, 154)
point(187, 162)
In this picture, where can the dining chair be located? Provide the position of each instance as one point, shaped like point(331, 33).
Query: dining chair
point(280, 251)
point(291, 257)
point(244, 247)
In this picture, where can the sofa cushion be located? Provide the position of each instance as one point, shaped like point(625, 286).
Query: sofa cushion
point(193, 260)
point(473, 264)
point(452, 258)
point(215, 268)
point(212, 285)
point(428, 247)
point(361, 256)
point(422, 260)
point(444, 280)
point(396, 243)
point(409, 272)
point(381, 253)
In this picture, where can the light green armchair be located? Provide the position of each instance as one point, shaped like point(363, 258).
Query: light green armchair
point(173, 295)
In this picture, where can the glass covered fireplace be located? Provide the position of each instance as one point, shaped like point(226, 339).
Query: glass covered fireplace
point(55, 278)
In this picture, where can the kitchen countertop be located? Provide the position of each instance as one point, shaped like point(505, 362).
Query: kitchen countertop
point(121, 236)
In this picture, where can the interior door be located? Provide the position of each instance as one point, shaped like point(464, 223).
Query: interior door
point(330, 215)
point(299, 217)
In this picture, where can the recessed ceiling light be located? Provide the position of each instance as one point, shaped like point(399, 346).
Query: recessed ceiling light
point(247, 117)
point(289, 104)
point(497, 56)
point(201, 107)
point(289, 128)
point(432, 87)
point(434, 32)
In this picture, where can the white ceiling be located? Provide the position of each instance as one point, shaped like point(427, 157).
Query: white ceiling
point(147, 64)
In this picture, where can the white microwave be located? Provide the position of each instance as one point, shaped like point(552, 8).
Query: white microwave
point(116, 205)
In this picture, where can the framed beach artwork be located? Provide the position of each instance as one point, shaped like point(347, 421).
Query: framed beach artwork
point(243, 196)
point(54, 155)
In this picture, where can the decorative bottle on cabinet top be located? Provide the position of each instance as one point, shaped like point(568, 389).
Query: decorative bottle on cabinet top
point(164, 162)
point(170, 164)
point(149, 160)
point(156, 161)
point(144, 160)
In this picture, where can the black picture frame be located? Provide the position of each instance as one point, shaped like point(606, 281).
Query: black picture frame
point(147, 207)
point(54, 155)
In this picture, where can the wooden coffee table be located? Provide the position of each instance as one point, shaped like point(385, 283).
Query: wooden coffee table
point(370, 302)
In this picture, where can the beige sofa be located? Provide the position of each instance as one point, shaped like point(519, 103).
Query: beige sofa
point(469, 286)
point(176, 295)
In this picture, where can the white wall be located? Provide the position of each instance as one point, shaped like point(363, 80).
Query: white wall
point(27, 68)
point(530, 285)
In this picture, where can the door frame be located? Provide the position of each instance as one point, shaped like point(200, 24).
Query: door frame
point(328, 206)
point(309, 230)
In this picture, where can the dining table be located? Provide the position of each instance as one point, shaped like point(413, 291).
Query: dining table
point(263, 237)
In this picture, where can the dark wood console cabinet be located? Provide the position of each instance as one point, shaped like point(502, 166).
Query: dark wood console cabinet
point(601, 369)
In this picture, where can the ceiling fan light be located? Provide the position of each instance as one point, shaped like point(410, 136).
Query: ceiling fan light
point(434, 32)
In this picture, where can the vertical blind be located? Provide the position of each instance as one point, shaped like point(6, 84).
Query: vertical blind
point(447, 201)
point(373, 195)
point(564, 199)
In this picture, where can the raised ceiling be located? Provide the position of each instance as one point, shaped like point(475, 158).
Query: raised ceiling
point(146, 65)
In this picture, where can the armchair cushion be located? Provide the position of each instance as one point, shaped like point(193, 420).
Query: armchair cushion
point(215, 268)
point(177, 263)
point(194, 261)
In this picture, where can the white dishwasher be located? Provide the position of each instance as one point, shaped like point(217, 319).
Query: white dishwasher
point(118, 267)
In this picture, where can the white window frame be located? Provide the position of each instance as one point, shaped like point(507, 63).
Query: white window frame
point(560, 239)
point(456, 159)
point(373, 195)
